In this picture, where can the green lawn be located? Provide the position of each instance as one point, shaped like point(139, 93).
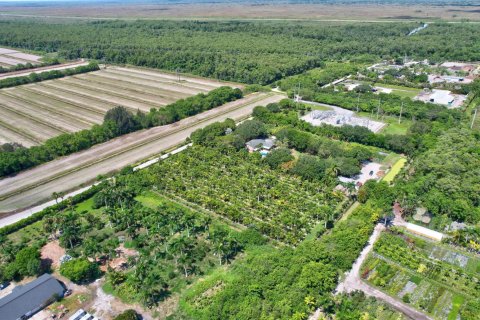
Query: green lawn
point(392, 127)
point(401, 91)
point(150, 200)
point(395, 170)
point(457, 302)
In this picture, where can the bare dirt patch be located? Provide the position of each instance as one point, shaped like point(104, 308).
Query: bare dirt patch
point(51, 253)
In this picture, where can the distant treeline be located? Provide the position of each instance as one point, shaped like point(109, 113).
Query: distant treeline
point(250, 52)
point(47, 75)
point(117, 121)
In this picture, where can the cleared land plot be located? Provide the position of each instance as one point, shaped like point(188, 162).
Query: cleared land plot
point(152, 81)
point(38, 101)
point(24, 56)
point(35, 112)
point(184, 79)
point(137, 85)
point(36, 185)
point(9, 61)
point(11, 57)
point(40, 131)
point(67, 85)
point(113, 89)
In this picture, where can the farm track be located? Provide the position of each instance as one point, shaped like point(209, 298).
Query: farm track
point(52, 106)
point(152, 82)
point(37, 113)
point(169, 95)
point(120, 92)
point(182, 83)
point(36, 185)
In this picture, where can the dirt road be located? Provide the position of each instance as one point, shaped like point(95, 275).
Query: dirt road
point(353, 282)
point(68, 173)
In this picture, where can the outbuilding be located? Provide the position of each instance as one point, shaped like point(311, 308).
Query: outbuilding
point(26, 300)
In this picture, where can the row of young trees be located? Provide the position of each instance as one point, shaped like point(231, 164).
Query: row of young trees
point(47, 75)
point(117, 121)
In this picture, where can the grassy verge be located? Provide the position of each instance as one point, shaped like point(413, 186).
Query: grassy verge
point(395, 170)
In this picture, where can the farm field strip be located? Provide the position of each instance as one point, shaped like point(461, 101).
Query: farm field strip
point(101, 96)
point(9, 134)
point(39, 115)
point(121, 92)
point(147, 86)
point(193, 79)
point(80, 101)
point(169, 85)
point(36, 129)
point(168, 95)
point(65, 109)
point(10, 61)
point(36, 185)
point(181, 84)
point(24, 56)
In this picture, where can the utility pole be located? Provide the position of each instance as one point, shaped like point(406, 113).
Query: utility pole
point(474, 117)
point(400, 117)
point(378, 108)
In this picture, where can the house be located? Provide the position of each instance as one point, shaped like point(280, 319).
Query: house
point(260, 144)
point(26, 300)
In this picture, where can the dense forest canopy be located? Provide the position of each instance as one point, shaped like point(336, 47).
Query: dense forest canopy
point(252, 52)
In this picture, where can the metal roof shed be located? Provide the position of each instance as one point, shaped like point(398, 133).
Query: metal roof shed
point(26, 300)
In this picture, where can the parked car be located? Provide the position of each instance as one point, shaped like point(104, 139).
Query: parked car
point(4, 285)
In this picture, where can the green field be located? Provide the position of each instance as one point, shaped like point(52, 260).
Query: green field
point(395, 170)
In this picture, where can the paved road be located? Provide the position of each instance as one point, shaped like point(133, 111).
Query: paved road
point(35, 186)
point(353, 282)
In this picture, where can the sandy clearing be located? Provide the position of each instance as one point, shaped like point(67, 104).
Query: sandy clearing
point(152, 82)
point(67, 110)
point(29, 109)
point(163, 89)
point(52, 252)
point(79, 101)
point(8, 136)
point(5, 51)
point(24, 56)
point(65, 84)
point(36, 129)
point(153, 76)
point(121, 92)
point(168, 95)
point(171, 76)
point(23, 73)
point(36, 185)
point(10, 61)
